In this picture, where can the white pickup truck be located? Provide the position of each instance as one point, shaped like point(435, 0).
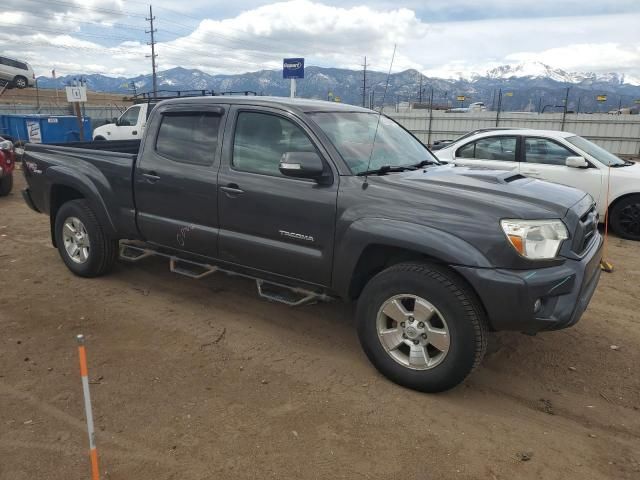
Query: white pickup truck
point(128, 126)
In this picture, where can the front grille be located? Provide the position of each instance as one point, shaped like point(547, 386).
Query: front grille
point(586, 229)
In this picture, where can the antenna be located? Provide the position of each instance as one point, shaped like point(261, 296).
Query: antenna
point(375, 134)
point(364, 81)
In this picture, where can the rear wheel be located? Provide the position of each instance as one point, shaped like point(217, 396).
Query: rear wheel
point(6, 184)
point(625, 217)
point(20, 82)
point(421, 327)
point(84, 247)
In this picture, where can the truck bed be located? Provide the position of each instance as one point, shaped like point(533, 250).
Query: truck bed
point(100, 171)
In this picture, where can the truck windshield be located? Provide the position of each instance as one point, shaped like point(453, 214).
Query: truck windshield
point(596, 151)
point(352, 134)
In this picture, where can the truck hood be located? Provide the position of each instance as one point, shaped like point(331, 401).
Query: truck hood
point(505, 192)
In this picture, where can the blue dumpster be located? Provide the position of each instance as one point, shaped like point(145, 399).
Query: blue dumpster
point(44, 128)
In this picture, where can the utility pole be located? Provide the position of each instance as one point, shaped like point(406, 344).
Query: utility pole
point(153, 55)
point(430, 116)
point(564, 110)
point(364, 82)
point(420, 91)
point(499, 107)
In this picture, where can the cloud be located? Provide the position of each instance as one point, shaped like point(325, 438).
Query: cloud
point(106, 36)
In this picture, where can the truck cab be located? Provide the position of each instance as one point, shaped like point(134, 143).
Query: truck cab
point(128, 126)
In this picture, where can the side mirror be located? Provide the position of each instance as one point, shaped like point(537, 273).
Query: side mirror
point(576, 162)
point(114, 120)
point(302, 165)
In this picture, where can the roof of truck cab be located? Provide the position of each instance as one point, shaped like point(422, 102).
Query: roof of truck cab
point(300, 104)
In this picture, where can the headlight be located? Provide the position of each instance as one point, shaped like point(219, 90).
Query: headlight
point(535, 239)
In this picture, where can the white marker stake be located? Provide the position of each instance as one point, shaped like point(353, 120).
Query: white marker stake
point(84, 373)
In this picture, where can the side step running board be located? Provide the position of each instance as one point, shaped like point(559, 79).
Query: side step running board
point(272, 291)
point(191, 269)
point(291, 296)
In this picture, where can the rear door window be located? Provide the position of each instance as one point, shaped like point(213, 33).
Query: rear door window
point(189, 137)
point(490, 148)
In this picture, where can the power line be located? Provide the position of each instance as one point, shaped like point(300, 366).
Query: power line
point(66, 32)
point(123, 26)
point(152, 31)
point(75, 6)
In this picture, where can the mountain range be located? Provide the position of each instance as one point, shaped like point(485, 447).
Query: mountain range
point(527, 86)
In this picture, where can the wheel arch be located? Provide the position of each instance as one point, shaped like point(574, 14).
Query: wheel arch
point(371, 245)
point(624, 196)
point(66, 187)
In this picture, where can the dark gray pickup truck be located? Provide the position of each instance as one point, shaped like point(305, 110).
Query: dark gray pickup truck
point(317, 200)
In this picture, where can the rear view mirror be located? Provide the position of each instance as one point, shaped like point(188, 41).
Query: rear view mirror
point(302, 165)
point(576, 162)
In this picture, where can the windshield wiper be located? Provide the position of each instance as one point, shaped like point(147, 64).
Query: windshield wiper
point(626, 163)
point(424, 163)
point(383, 170)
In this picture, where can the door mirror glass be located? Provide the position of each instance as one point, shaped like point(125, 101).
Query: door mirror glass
point(301, 165)
point(576, 162)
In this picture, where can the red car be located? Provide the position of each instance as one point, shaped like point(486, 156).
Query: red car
point(7, 164)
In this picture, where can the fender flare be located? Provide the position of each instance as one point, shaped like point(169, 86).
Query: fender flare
point(437, 244)
point(65, 176)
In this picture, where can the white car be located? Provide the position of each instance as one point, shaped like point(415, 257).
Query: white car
point(558, 157)
point(19, 74)
point(128, 126)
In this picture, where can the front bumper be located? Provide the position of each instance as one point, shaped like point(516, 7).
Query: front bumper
point(509, 296)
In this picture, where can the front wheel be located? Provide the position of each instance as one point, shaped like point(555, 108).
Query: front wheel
point(83, 245)
point(625, 217)
point(421, 326)
point(6, 184)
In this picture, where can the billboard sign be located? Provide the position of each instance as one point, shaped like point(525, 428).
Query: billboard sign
point(293, 68)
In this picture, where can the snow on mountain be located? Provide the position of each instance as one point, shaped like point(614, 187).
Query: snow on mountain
point(529, 69)
point(542, 70)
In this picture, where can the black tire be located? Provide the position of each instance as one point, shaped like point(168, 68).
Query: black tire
point(6, 184)
point(625, 217)
point(458, 305)
point(103, 250)
point(99, 139)
point(20, 82)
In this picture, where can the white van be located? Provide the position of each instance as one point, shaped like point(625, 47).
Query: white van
point(129, 126)
point(18, 73)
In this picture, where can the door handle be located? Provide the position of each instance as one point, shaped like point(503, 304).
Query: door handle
point(151, 177)
point(232, 190)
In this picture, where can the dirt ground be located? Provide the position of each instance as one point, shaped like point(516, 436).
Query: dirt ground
point(203, 380)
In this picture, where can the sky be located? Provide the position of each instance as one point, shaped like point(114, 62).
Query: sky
point(444, 38)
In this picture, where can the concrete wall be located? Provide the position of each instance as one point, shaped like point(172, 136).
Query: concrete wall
point(620, 134)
